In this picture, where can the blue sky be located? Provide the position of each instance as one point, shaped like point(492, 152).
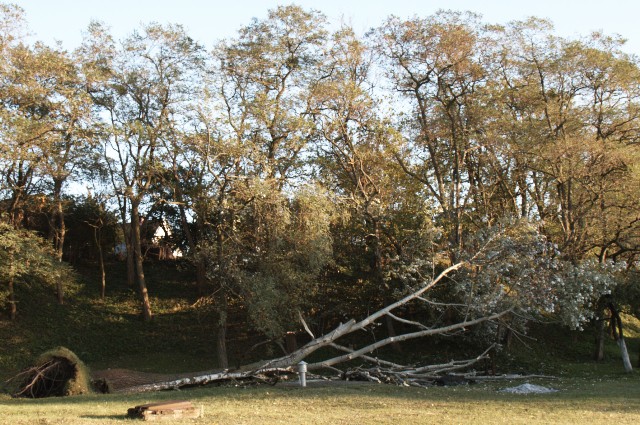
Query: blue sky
point(209, 21)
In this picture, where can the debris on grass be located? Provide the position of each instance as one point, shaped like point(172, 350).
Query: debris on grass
point(529, 389)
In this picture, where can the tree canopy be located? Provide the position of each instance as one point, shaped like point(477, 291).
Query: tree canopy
point(310, 172)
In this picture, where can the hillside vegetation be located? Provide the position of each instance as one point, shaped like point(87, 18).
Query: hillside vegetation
point(434, 189)
point(110, 333)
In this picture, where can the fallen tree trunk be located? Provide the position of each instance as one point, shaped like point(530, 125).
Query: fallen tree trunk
point(404, 337)
point(271, 369)
point(440, 375)
point(352, 326)
point(270, 376)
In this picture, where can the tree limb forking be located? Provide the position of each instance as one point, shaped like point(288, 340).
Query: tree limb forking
point(352, 325)
point(404, 337)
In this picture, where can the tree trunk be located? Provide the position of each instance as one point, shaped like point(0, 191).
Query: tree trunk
point(190, 381)
point(391, 331)
point(222, 306)
point(616, 328)
point(137, 246)
point(201, 272)
point(131, 264)
point(60, 231)
point(291, 342)
point(221, 344)
point(378, 264)
point(626, 361)
point(600, 338)
point(127, 233)
point(12, 295)
point(59, 226)
point(221, 328)
point(97, 232)
point(15, 212)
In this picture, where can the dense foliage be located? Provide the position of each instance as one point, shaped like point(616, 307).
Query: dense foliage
point(309, 173)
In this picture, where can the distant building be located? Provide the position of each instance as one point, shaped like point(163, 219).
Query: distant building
point(155, 241)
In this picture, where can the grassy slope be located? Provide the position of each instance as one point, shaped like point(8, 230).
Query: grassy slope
point(110, 333)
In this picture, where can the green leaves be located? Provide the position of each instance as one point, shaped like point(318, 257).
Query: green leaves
point(26, 259)
point(291, 152)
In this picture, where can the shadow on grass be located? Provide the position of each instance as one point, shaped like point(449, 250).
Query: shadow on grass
point(104, 417)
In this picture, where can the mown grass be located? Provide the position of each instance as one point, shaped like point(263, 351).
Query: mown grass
point(611, 400)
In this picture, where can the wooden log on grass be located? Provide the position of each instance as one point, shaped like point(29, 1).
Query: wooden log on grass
point(174, 409)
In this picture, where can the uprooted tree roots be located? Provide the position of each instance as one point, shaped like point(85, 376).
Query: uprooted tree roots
point(58, 372)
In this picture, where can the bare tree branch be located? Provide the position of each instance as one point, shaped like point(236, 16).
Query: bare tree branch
point(404, 337)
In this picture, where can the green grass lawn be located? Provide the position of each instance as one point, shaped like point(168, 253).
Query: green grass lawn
point(614, 399)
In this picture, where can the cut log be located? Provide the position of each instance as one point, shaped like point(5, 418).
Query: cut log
point(165, 410)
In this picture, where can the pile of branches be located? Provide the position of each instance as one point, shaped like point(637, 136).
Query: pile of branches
point(439, 374)
point(383, 376)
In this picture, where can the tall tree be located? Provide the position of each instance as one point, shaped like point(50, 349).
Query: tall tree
point(71, 140)
point(438, 65)
point(147, 81)
point(46, 118)
point(571, 119)
point(263, 80)
point(355, 161)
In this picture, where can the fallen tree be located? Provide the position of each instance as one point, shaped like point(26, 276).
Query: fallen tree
point(394, 374)
point(513, 273)
point(269, 369)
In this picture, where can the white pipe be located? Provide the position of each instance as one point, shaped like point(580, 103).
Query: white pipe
point(302, 372)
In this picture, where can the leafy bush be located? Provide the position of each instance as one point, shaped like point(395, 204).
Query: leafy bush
point(25, 259)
